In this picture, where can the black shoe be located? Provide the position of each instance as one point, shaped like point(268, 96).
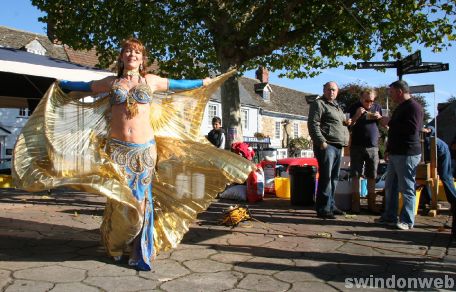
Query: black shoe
point(326, 216)
point(337, 211)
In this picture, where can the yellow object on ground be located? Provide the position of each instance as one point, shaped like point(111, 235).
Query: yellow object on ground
point(235, 215)
point(417, 201)
point(441, 193)
point(5, 181)
point(282, 187)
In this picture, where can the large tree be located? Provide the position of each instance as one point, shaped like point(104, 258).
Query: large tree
point(194, 37)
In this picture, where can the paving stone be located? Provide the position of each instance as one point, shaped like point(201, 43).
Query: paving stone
point(192, 254)
point(353, 248)
point(54, 273)
point(163, 255)
point(281, 245)
point(73, 287)
point(450, 260)
point(121, 283)
point(83, 264)
point(230, 258)
point(311, 286)
point(302, 274)
point(250, 240)
point(207, 282)
point(438, 252)
point(29, 286)
point(263, 265)
point(16, 265)
point(112, 270)
point(252, 253)
point(402, 267)
point(5, 278)
point(206, 265)
point(366, 268)
point(319, 245)
point(263, 283)
point(165, 270)
point(348, 284)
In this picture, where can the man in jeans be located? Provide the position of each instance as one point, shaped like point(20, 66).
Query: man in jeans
point(404, 153)
point(364, 146)
point(327, 128)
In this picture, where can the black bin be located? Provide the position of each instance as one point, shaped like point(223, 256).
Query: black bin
point(302, 184)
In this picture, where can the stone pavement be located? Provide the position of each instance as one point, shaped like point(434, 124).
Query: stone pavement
point(50, 242)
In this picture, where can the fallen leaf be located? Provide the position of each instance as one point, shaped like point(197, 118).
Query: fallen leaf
point(324, 234)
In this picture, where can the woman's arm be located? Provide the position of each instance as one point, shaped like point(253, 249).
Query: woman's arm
point(163, 84)
point(96, 86)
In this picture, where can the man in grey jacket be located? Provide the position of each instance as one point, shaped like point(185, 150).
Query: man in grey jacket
point(329, 133)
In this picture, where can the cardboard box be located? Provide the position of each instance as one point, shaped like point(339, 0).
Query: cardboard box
point(423, 171)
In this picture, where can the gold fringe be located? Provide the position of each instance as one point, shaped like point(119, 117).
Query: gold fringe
point(132, 108)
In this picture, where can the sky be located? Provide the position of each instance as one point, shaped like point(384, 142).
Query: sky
point(22, 15)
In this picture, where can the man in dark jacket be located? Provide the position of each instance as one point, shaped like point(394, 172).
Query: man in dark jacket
point(327, 128)
point(404, 153)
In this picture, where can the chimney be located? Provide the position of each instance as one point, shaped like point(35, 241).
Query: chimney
point(262, 74)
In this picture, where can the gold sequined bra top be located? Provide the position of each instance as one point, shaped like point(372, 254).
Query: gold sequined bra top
point(140, 93)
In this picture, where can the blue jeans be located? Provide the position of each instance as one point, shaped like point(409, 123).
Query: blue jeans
point(445, 171)
point(328, 168)
point(400, 177)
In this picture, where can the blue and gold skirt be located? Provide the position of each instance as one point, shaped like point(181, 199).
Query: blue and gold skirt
point(137, 162)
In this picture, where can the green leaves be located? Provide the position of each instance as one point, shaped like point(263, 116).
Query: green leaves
point(189, 38)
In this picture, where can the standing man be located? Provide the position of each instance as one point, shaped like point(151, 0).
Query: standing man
point(365, 115)
point(327, 128)
point(404, 153)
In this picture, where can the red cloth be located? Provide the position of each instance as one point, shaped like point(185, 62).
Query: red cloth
point(243, 149)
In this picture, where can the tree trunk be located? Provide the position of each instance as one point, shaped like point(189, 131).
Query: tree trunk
point(231, 108)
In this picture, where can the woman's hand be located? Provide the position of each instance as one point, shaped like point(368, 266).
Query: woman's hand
point(207, 81)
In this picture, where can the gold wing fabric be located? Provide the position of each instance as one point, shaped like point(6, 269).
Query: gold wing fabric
point(63, 145)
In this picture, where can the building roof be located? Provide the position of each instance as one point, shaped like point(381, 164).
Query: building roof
point(244, 95)
point(18, 39)
point(282, 100)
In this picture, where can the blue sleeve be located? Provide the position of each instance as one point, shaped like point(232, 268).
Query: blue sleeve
point(184, 84)
point(68, 86)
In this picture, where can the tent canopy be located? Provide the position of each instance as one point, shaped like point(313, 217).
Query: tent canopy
point(26, 76)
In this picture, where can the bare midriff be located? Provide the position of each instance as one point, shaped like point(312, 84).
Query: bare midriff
point(136, 129)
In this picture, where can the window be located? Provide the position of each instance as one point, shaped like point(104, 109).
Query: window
point(282, 153)
point(295, 130)
point(245, 119)
point(211, 112)
point(277, 130)
point(9, 151)
point(24, 112)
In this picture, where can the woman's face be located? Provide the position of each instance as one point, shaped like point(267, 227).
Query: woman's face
point(132, 58)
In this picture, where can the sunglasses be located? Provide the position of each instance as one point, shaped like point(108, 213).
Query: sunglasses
point(368, 101)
